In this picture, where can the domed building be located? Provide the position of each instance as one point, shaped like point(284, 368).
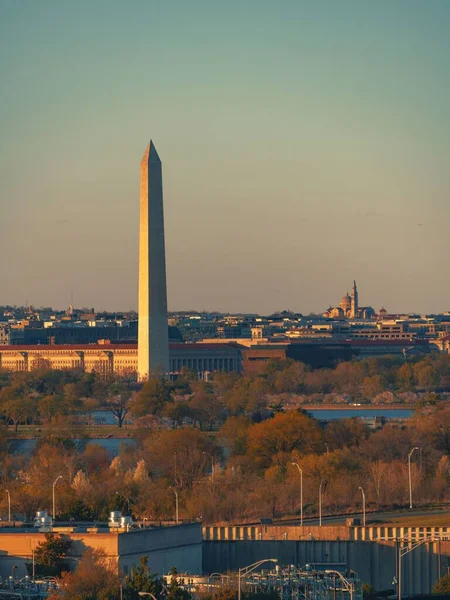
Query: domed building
point(382, 313)
point(349, 308)
point(346, 304)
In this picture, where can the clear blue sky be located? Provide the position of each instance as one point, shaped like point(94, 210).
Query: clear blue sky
point(304, 145)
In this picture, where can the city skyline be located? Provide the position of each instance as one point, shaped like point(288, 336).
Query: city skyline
point(304, 147)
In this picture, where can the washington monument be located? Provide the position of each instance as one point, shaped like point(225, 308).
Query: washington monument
point(153, 343)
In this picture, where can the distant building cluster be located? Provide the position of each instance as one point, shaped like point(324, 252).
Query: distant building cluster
point(153, 341)
point(349, 308)
point(107, 342)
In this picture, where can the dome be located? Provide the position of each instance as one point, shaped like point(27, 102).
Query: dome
point(345, 303)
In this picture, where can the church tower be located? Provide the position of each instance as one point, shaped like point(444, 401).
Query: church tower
point(354, 302)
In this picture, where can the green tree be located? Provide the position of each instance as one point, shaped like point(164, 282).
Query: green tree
point(175, 591)
point(49, 406)
point(16, 408)
point(141, 579)
point(177, 411)
point(152, 398)
point(50, 556)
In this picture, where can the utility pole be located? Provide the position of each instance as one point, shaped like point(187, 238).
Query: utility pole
point(364, 506)
point(301, 492)
point(409, 475)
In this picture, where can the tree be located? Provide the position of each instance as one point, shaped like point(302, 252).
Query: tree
point(119, 406)
point(405, 377)
point(234, 434)
point(427, 376)
point(141, 579)
point(94, 579)
point(276, 438)
point(345, 433)
point(174, 591)
point(180, 456)
point(50, 555)
point(206, 407)
point(178, 411)
point(152, 398)
point(72, 397)
point(372, 386)
point(442, 585)
point(49, 406)
point(15, 407)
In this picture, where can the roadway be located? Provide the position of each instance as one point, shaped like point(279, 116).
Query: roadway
point(372, 518)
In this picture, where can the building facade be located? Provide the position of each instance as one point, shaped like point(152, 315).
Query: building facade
point(107, 358)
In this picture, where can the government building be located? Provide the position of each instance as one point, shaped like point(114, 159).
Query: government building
point(121, 358)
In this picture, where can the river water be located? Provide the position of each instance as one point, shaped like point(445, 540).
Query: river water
point(365, 413)
point(113, 445)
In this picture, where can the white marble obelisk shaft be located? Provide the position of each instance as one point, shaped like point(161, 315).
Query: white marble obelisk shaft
point(153, 343)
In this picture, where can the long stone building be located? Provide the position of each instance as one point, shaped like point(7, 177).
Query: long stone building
point(110, 358)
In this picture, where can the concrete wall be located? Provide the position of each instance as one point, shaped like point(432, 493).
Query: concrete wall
point(326, 532)
point(179, 546)
point(375, 562)
point(16, 547)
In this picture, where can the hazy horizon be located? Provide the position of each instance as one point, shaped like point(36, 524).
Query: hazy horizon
point(304, 145)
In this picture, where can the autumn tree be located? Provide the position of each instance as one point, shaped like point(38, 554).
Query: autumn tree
point(276, 438)
point(180, 456)
point(442, 586)
point(233, 434)
point(94, 579)
point(205, 406)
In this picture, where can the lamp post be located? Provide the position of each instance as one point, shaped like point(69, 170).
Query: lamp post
point(301, 492)
point(176, 505)
point(347, 585)
point(54, 504)
point(364, 505)
point(9, 506)
point(249, 568)
point(147, 594)
point(322, 481)
point(409, 474)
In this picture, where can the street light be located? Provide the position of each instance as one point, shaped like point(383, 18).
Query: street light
point(9, 506)
point(364, 505)
point(54, 485)
point(409, 474)
point(147, 594)
point(347, 585)
point(176, 505)
point(301, 492)
point(249, 568)
point(322, 481)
